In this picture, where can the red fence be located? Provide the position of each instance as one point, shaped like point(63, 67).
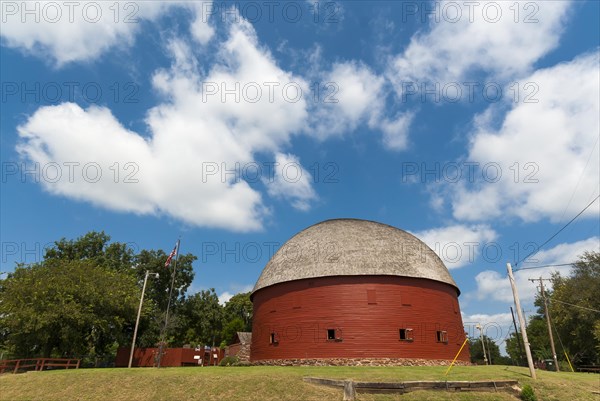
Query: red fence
point(38, 364)
point(146, 357)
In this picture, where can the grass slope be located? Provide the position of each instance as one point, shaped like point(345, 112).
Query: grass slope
point(275, 383)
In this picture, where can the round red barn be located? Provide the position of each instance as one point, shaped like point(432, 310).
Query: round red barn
point(350, 291)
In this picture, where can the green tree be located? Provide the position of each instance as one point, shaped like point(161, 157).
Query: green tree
point(201, 318)
point(491, 349)
point(23, 332)
point(573, 305)
point(239, 307)
point(231, 328)
point(537, 333)
point(157, 290)
point(66, 308)
point(514, 350)
point(93, 246)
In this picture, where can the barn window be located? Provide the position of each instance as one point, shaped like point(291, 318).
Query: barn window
point(442, 337)
point(406, 334)
point(331, 334)
point(334, 335)
point(273, 338)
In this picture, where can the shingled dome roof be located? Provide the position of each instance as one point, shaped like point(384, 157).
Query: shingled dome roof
point(351, 247)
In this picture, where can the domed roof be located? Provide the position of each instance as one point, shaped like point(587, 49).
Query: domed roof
point(352, 247)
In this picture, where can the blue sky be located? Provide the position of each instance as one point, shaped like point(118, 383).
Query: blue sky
point(236, 125)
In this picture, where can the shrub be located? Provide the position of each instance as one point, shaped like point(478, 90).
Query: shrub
point(527, 393)
point(229, 361)
point(564, 366)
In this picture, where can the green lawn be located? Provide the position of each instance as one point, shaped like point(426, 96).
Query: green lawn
point(274, 383)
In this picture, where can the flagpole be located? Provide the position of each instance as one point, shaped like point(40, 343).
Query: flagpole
point(162, 337)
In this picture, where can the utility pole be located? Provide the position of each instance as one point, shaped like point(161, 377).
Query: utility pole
point(485, 360)
point(137, 321)
point(517, 335)
point(543, 292)
point(525, 312)
point(521, 321)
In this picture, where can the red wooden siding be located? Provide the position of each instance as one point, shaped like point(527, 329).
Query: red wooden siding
point(366, 313)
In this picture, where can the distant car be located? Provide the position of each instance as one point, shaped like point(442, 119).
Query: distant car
point(550, 365)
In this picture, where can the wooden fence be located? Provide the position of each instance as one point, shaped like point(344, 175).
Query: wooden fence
point(37, 364)
point(589, 368)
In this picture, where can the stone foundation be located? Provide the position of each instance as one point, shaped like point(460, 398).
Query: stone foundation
point(244, 353)
point(358, 362)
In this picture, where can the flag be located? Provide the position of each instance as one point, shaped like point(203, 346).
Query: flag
point(173, 253)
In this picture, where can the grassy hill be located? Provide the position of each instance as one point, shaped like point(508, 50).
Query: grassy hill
point(275, 383)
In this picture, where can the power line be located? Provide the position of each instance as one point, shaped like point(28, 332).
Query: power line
point(580, 177)
point(539, 267)
point(577, 306)
point(559, 231)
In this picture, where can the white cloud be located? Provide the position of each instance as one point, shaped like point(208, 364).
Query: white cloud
point(496, 286)
point(395, 132)
point(351, 94)
point(348, 95)
point(83, 31)
point(483, 39)
point(496, 327)
point(451, 49)
point(187, 167)
point(359, 87)
point(235, 289)
point(465, 40)
point(547, 152)
point(201, 30)
point(291, 181)
point(564, 253)
point(225, 297)
point(457, 245)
